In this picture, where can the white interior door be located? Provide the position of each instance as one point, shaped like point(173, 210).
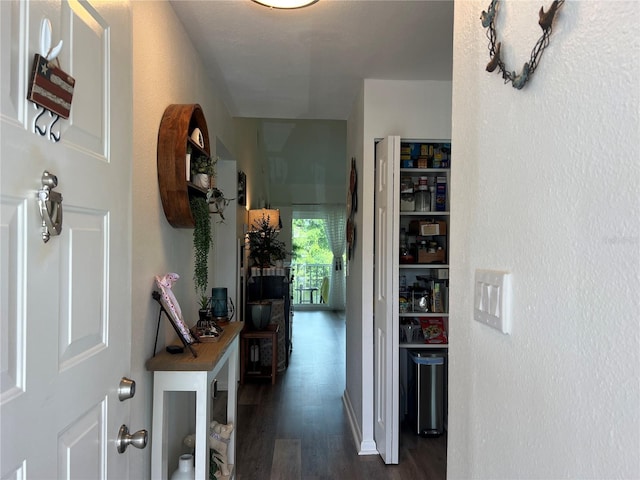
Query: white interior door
point(386, 334)
point(65, 305)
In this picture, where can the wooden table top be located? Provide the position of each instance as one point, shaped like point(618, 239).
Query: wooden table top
point(209, 354)
point(267, 332)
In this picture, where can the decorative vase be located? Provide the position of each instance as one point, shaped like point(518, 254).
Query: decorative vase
point(201, 180)
point(185, 469)
point(260, 315)
point(219, 302)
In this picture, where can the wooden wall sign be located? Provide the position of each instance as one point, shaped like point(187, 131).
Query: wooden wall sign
point(50, 87)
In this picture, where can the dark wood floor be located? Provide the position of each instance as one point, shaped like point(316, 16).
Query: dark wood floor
point(298, 429)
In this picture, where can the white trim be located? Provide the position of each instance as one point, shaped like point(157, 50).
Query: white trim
point(364, 448)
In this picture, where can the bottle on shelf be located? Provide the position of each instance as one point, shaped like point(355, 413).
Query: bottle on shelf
point(405, 253)
point(185, 469)
point(432, 197)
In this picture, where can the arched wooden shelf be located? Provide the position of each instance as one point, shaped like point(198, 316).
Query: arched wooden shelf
point(178, 121)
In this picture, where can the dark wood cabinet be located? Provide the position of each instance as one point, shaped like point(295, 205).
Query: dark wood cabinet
point(177, 124)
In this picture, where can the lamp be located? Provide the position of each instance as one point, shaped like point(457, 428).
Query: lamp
point(286, 4)
point(256, 216)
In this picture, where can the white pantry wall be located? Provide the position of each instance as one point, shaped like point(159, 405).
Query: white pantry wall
point(545, 184)
point(167, 70)
point(413, 110)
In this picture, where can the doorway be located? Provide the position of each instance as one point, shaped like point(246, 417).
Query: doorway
point(318, 241)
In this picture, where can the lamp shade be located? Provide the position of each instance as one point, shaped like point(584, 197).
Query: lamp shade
point(269, 214)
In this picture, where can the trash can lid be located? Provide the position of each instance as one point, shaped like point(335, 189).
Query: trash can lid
point(431, 359)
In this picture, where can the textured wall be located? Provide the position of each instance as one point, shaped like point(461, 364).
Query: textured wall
point(166, 70)
point(545, 185)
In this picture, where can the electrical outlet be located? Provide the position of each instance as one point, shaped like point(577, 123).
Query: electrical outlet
point(492, 299)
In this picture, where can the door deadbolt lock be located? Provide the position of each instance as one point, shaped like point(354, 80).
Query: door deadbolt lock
point(126, 389)
point(138, 439)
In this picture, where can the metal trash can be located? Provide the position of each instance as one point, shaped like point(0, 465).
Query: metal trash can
point(425, 381)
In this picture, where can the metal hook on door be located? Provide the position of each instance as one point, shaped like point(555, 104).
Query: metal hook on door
point(50, 204)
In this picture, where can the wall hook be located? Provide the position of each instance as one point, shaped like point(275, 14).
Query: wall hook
point(50, 204)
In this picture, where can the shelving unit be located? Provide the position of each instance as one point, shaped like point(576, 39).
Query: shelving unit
point(176, 126)
point(185, 373)
point(423, 258)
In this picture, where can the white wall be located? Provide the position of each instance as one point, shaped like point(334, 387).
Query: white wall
point(354, 289)
point(249, 161)
point(417, 110)
point(166, 70)
point(545, 185)
point(293, 161)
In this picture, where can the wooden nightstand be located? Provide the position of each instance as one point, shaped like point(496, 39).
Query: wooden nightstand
point(271, 332)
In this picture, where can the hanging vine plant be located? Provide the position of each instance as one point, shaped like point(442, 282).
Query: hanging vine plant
point(202, 242)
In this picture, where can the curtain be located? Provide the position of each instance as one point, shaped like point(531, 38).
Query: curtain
point(335, 229)
point(334, 217)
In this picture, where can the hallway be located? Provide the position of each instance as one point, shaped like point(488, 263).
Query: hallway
point(298, 429)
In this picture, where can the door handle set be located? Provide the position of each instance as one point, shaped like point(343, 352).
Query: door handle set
point(126, 390)
point(138, 439)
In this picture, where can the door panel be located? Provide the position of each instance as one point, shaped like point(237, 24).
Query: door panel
point(65, 305)
point(12, 311)
point(83, 317)
point(80, 444)
point(386, 398)
point(89, 35)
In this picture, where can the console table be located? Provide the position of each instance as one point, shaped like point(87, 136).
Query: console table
point(184, 372)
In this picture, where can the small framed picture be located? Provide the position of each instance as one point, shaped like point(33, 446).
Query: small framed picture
point(172, 307)
point(242, 189)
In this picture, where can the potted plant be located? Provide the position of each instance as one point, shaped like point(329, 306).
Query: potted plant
point(202, 242)
point(264, 246)
point(202, 167)
point(264, 250)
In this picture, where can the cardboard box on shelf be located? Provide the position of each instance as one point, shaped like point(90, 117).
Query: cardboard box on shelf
point(437, 257)
point(428, 227)
point(434, 329)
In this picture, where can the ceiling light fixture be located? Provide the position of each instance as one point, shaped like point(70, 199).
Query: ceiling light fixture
point(286, 4)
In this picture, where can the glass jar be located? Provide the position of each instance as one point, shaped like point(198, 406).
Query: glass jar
point(423, 199)
point(407, 197)
point(407, 202)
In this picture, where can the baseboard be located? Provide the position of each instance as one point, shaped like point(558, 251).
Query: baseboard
point(363, 448)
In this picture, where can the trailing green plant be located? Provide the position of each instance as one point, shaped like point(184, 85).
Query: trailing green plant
point(202, 242)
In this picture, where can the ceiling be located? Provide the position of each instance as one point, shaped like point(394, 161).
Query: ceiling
point(309, 63)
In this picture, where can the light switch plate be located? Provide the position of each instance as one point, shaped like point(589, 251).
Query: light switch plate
point(492, 299)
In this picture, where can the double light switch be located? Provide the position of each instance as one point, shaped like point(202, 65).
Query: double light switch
point(492, 299)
